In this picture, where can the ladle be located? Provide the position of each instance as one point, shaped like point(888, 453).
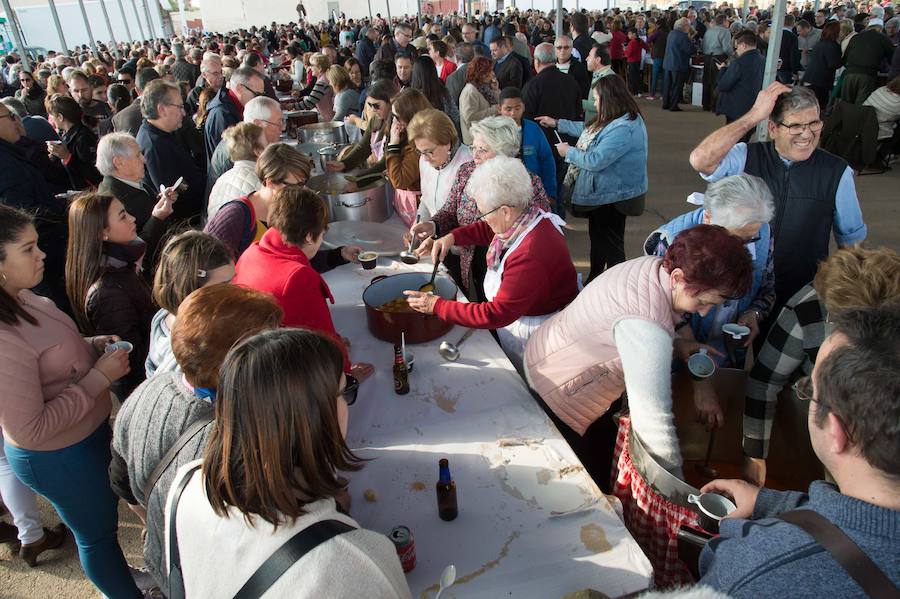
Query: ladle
point(448, 577)
point(429, 286)
point(407, 256)
point(449, 351)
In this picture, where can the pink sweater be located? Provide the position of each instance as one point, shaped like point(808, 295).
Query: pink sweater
point(52, 395)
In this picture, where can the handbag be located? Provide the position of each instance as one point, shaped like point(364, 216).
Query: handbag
point(289, 553)
point(873, 581)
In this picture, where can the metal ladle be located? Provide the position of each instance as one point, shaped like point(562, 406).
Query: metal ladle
point(449, 351)
point(407, 256)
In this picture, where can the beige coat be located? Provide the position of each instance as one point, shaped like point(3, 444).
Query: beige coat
point(472, 108)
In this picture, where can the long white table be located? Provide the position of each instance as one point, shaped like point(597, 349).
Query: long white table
point(513, 470)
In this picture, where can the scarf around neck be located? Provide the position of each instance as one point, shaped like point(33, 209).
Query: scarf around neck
point(119, 255)
point(489, 93)
point(502, 241)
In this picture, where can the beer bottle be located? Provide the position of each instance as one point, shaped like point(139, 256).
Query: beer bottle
point(401, 374)
point(446, 493)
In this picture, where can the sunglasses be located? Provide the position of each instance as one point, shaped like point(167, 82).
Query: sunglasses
point(255, 94)
point(350, 390)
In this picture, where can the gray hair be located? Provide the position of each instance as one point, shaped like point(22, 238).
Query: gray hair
point(464, 52)
point(243, 75)
point(114, 145)
point(15, 106)
point(799, 98)
point(209, 62)
point(736, 201)
point(681, 23)
point(545, 54)
point(260, 108)
point(501, 181)
point(500, 133)
point(155, 94)
point(178, 50)
point(892, 23)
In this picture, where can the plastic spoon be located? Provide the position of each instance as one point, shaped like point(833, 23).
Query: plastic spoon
point(448, 577)
point(176, 185)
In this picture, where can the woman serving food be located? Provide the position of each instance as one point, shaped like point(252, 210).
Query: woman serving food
point(530, 275)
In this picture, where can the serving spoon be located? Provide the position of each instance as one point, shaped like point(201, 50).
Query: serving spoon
point(429, 286)
point(407, 256)
point(449, 351)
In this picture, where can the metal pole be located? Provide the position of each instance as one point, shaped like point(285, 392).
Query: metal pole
point(387, 4)
point(816, 6)
point(125, 20)
point(112, 36)
point(369, 2)
point(59, 31)
point(559, 19)
point(87, 26)
point(149, 14)
point(746, 10)
point(26, 63)
point(772, 58)
point(137, 17)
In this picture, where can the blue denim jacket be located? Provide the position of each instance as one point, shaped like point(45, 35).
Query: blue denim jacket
point(538, 156)
point(614, 166)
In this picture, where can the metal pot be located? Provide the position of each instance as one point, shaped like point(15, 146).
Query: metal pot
point(330, 132)
point(419, 328)
point(371, 202)
point(328, 153)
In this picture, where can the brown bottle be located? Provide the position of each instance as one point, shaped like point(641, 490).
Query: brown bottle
point(446, 493)
point(401, 374)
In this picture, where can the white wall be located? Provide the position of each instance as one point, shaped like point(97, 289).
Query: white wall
point(37, 22)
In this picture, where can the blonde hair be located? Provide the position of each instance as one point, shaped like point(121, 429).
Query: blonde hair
point(858, 278)
point(320, 61)
point(244, 141)
point(338, 78)
point(433, 125)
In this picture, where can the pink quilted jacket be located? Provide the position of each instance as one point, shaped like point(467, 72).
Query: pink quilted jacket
point(571, 360)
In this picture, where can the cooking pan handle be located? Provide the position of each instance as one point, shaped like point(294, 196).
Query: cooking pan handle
point(378, 278)
point(346, 205)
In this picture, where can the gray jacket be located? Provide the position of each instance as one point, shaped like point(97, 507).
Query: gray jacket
point(149, 423)
point(456, 82)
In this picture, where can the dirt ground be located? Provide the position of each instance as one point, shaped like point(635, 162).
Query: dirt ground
point(672, 137)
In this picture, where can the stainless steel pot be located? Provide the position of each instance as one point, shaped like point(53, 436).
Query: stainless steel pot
point(330, 132)
point(371, 202)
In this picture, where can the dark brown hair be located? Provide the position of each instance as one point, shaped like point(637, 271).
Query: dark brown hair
point(297, 212)
point(13, 223)
point(615, 101)
point(831, 31)
point(408, 103)
point(88, 216)
point(211, 320)
point(186, 262)
point(277, 444)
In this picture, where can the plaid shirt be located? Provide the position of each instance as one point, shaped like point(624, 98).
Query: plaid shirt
point(788, 353)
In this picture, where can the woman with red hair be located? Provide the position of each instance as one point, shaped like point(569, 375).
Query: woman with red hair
point(619, 336)
point(480, 97)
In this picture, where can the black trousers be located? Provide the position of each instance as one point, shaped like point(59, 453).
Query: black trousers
point(710, 79)
point(674, 89)
point(635, 83)
point(606, 230)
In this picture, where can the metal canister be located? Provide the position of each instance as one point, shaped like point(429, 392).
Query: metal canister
point(405, 544)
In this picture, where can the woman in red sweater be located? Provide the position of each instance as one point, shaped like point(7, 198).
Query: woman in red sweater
point(530, 275)
point(633, 54)
point(279, 264)
point(617, 47)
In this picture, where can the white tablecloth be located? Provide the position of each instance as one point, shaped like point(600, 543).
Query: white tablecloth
point(512, 469)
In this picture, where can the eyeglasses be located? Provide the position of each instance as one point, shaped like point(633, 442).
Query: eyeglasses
point(803, 389)
point(351, 389)
point(798, 128)
point(279, 124)
point(481, 216)
point(426, 153)
point(563, 47)
point(178, 106)
point(480, 150)
point(255, 94)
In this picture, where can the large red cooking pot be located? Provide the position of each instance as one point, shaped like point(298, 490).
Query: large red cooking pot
point(419, 328)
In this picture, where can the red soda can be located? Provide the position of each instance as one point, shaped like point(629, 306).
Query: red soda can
point(405, 544)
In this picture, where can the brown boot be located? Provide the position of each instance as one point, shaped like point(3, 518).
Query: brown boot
point(52, 539)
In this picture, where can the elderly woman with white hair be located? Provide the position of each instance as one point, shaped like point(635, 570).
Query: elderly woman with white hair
point(743, 205)
point(493, 136)
point(530, 275)
point(121, 163)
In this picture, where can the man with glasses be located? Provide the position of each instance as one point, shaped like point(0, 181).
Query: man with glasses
point(814, 191)
point(167, 156)
point(211, 76)
point(854, 407)
point(227, 107)
point(470, 36)
point(399, 46)
point(567, 64)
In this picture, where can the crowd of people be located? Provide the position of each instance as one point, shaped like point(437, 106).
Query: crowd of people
point(159, 245)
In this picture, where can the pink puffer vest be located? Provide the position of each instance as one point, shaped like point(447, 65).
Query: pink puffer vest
point(572, 361)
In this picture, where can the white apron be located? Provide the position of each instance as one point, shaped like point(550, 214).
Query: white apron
point(514, 336)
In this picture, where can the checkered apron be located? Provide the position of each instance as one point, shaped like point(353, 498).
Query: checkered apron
point(650, 517)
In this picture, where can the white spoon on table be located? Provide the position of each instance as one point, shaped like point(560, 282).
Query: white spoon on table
point(448, 577)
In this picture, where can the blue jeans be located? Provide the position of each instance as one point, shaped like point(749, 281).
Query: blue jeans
point(75, 480)
point(655, 75)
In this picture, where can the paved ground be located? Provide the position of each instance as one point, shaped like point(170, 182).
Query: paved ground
point(671, 179)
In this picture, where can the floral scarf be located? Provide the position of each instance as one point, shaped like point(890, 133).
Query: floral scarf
point(502, 241)
point(490, 94)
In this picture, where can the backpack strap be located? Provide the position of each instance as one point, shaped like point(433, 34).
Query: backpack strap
point(873, 581)
point(250, 229)
point(288, 554)
point(170, 455)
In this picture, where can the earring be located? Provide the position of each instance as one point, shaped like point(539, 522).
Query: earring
point(3, 280)
point(106, 238)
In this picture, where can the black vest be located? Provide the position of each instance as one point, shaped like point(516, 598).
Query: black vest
point(804, 195)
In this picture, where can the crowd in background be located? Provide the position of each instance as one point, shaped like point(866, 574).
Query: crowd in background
point(149, 198)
